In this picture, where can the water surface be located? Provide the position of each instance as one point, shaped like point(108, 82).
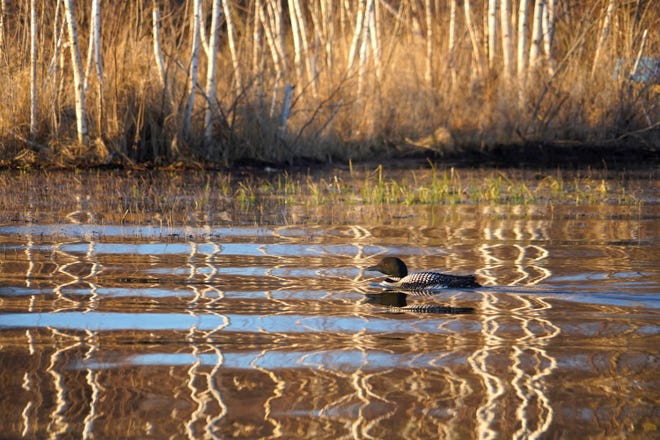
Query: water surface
point(257, 319)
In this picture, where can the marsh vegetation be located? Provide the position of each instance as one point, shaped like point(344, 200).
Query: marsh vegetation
point(204, 80)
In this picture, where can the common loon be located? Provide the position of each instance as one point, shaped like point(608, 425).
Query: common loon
point(400, 279)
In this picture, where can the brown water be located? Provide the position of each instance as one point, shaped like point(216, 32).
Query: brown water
point(228, 320)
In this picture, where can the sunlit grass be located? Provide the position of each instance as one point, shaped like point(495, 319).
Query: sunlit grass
point(168, 198)
point(446, 187)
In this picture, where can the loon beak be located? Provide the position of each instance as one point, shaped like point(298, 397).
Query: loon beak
point(373, 268)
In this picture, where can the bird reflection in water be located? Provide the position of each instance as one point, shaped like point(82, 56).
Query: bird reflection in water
point(397, 301)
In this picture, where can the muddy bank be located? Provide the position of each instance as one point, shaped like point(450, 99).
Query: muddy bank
point(568, 155)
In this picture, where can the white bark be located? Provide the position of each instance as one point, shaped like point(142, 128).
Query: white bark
point(272, 23)
point(364, 46)
point(537, 36)
point(158, 53)
point(97, 60)
point(257, 44)
point(492, 32)
point(3, 10)
point(210, 73)
point(357, 34)
point(33, 69)
point(549, 32)
point(522, 41)
point(507, 40)
point(307, 56)
point(604, 33)
point(327, 22)
point(428, 73)
point(78, 80)
point(452, 30)
point(297, 45)
point(194, 60)
point(473, 38)
point(373, 36)
point(232, 46)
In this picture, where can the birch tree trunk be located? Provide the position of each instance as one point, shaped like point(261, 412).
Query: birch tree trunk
point(273, 30)
point(210, 74)
point(492, 32)
point(452, 31)
point(364, 46)
point(194, 60)
point(309, 59)
point(232, 46)
point(373, 37)
point(257, 45)
point(428, 73)
point(507, 40)
point(549, 33)
point(522, 41)
point(53, 67)
point(357, 33)
point(78, 80)
point(537, 36)
point(328, 25)
point(604, 33)
point(473, 38)
point(3, 10)
point(158, 53)
point(95, 32)
point(297, 45)
point(33, 69)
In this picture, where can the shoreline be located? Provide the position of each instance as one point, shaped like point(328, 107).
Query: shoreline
point(530, 155)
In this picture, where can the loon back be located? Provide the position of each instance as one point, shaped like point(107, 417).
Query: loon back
point(426, 279)
point(398, 277)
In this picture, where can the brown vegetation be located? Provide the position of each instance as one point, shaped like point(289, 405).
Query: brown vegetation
point(366, 76)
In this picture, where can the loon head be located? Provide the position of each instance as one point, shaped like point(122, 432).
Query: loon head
point(391, 266)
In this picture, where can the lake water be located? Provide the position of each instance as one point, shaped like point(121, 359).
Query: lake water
point(135, 308)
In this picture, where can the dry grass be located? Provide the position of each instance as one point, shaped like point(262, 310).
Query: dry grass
point(140, 122)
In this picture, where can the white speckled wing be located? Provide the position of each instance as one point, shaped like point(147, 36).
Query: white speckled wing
point(431, 280)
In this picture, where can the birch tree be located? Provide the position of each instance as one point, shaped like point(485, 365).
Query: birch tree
point(549, 32)
point(428, 74)
point(507, 40)
point(272, 26)
point(297, 44)
point(522, 42)
point(33, 69)
point(256, 40)
point(231, 38)
point(452, 31)
point(78, 80)
point(473, 37)
point(604, 33)
point(158, 53)
point(94, 58)
point(194, 60)
point(328, 26)
point(537, 36)
point(357, 33)
point(3, 10)
point(492, 32)
point(374, 38)
point(211, 109)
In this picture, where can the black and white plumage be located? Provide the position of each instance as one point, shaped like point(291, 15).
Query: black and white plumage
point(399, 278)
